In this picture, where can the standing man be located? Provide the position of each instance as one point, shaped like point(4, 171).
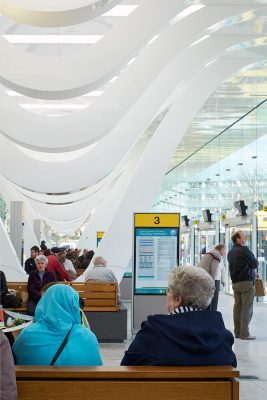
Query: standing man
point(243, 268)
point(30, 262)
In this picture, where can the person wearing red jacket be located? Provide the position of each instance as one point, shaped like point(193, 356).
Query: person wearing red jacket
point(55, 266)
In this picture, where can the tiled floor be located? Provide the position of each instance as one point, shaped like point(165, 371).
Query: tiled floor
point(251, 355)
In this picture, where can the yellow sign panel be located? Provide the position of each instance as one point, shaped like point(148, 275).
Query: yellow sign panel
point(99, 235)
point(164, 220)
point(265, 208)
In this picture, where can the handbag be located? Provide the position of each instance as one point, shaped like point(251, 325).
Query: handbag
point(61, 347)
point(259, 288)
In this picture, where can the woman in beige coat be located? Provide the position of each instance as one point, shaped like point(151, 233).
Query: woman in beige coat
point(211, 263)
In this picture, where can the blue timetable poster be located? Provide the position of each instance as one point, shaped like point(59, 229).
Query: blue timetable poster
point(156, 253)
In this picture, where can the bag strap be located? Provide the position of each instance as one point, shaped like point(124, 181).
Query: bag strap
point(61, 347)
point(213, 256)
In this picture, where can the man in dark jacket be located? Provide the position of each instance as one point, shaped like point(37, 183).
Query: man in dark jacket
point(30, 262)
point(190, 334)
point(243, 267)
point(37, 279)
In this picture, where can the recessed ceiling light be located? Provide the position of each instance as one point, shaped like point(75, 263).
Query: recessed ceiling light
point(113, 79)
point(253, 157)
point(122, 10)
point(227, 169)
point(93, 93)
point(153, 39)
point(53, 39)
point(217, 174)
point(131, 61)
point(47, 106)
point(187, 11)
point(240, 163)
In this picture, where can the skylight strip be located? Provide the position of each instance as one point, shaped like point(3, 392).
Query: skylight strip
point(122, 10)
point(53, 39)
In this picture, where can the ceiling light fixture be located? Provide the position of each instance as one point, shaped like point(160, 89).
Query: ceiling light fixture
point(39, 106)
point(122, 10)
point(187, 11)
point(153, 39)
point(93, 93)
point(132, 60)
point(53, 39)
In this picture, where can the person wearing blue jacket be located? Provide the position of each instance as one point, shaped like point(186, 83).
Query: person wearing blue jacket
point(57, 321)
point(190, 334)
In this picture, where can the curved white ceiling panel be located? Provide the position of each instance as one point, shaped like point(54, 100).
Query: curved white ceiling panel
point(50, 13)
point(64, 77)
point(57, 134)
point(151, 167)
point(91, 167)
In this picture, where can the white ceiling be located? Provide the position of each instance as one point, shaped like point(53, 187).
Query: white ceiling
point(86, 171)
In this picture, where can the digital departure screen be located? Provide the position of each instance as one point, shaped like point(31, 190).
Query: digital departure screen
point(156, 253)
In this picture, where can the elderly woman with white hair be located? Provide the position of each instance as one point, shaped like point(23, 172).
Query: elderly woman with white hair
point(190, 334)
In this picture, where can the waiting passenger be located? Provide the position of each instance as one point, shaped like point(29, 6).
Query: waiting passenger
point(7, 298)
point(30, 262)
point(58, 321)
point(100, 272)
point(190, 334)
point(55, 266)
point(210, 262)
point(67, 264)
point(8, 387)
point(88, 258)
point(37, 279)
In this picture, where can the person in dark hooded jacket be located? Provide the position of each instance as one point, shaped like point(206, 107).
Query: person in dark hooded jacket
point(190, 334)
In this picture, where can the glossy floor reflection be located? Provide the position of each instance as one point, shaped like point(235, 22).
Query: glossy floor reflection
point(251, 355)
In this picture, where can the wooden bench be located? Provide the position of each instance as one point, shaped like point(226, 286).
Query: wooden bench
point(97, 296)
point(131, 383)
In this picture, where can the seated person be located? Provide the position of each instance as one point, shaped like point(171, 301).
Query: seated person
point(7, 299)
point(8, 387)
point(190, 334)
point(100, 272)
point(67, 264)
point(57, 317)
point(55, 266)
point(37, 279)
point(87, 258)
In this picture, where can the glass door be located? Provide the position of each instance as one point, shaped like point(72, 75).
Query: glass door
point(262, 248)
point(185, 248)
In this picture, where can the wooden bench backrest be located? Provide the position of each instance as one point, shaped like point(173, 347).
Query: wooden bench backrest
point(131, 383)
point(97, 296)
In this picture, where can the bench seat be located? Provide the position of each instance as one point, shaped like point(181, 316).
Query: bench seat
point(131, 383)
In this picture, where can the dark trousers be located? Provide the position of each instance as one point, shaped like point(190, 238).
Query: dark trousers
point(214, 302)
point(31, 306)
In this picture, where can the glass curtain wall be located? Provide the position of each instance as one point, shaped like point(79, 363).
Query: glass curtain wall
point(230, 167)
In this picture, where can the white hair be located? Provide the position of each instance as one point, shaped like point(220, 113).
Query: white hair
point(194, 285)
point(42, 258)
point(99, 261)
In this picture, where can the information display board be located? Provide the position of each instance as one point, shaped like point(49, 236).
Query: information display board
point(156, 251)
point(99, 236)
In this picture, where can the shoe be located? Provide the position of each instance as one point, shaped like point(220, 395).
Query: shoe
point(237, 337)
point(248, 338)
